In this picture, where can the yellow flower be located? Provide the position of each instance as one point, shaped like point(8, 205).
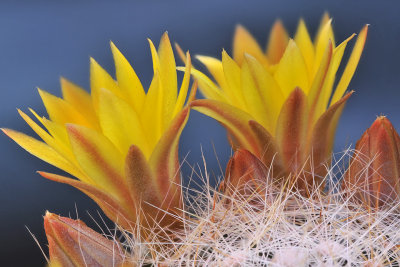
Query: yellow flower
point(121, 143)
point(281, 104)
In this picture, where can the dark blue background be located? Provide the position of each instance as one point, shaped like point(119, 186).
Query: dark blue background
point(42, 40)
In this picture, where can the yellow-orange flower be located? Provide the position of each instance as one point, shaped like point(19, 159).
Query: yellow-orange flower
point(280, 104)
point(119, 141)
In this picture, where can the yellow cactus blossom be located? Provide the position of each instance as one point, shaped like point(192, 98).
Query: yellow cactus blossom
point(119, 141)
point(280, 104)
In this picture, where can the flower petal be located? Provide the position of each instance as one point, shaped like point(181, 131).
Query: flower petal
point(214, 66)
point(169, 83)
point(269, 90)
point(291, 130)
point(120, 123)
point(303, 41)
point(43, 151)
point(315, 95)
point(232, 118)
point(323, 135)
point(324, 35)
point(61, 111)
point(292, 71)
point(244, 42)
point(80, 100)
point(120, 212)
point(151, 114)
point(254, 100)
point(183, 91)
point(164, 161)
point(351, 65)
point(207, 87)
point(143, 187)
point(269, 152)
point(232, 76)
point(98, 157)
point(99, 78)
point(128, 81)
point(277, 42)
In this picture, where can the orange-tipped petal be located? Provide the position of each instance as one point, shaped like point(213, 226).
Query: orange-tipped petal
point(98, 157)
point(121, 212)
point(142, 184)
point(278, 40)
point(323, 135)
point(164, 161)
point(291, 130)
point(375, 169)
point(72, 243)
point(269, 150)
point(245, 174)
point(232, 118)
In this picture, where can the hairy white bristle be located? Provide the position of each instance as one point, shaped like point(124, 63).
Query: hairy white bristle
point(280, 228)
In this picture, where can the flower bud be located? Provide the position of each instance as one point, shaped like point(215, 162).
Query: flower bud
point(245, 175)
point(72, 243)
point(373, 173)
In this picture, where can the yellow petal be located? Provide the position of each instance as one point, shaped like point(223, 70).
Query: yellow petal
point(151, 114)
point(154, 57)
point(38, 130)
point(58, 140)
point(61, 111)
point(80, 100)
point(42, 151)
point(128, 82)
point(330, 76)
point(99, 78)
point(207, 87)
point(214, 66)
point(321, 43)
point(244, 42)
point(180, 102)
point(303, 41)
point(292, 71)
point(120, 123)
point(277, 42)
point(232, 77)
point(269, 90)
point(167, 73)
point(98, 157)
point(315, 95)
point(232, 118)
point(253, 97)
point(351, 65)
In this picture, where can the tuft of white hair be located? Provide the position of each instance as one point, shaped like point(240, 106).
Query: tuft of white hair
point(280, 228)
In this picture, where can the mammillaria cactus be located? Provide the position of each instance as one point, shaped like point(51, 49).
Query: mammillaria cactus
point(281, 112)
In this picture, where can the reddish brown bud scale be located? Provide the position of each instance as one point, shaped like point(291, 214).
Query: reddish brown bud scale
point(245, 174)
point(72, 243)
point(374, 171)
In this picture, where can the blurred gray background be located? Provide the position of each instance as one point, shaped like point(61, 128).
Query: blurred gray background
point(43, 40)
